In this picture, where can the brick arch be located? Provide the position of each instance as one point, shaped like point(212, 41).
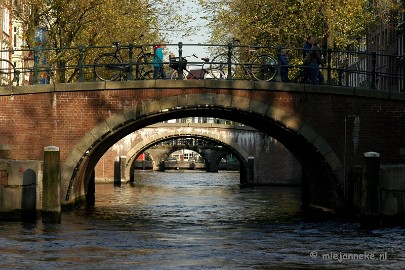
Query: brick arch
point(283, 126)
point(140, 147)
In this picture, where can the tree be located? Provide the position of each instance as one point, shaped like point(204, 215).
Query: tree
point(70, 23)
point(270, 22)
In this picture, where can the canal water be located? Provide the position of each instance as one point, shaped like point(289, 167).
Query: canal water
point(197, 220)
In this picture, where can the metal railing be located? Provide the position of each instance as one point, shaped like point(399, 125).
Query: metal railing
point(77, 64)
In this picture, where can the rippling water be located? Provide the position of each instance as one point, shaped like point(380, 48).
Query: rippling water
point(195, 220)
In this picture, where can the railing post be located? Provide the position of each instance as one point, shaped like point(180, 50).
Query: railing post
point(36, 62)
point(94, 67)
point(131, 68)
point(48, 75)
point(373, 71)
point(278, 75)
point(180, 68)
point(229, 77)
point(80, 78)
point(329, 67)
point(17, 74)
point(137, 71)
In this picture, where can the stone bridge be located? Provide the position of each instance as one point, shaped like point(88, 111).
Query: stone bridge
point(327, 129)
point(280, 166)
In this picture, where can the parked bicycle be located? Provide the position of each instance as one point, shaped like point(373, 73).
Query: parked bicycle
point(262, 67)
point(205, 72)
point(113, 67)
point(8, 73)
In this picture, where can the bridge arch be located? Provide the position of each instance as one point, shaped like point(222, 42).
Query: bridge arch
point(142, 146)
point(322, 168)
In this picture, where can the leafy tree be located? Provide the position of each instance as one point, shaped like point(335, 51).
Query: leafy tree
point(287, 23)
point(338, 24)
point(70, 23)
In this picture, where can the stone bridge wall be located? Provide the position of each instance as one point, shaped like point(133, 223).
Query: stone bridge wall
point(327, 129)
point(281, 166)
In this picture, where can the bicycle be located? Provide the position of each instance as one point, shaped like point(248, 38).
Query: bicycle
point(112, 67)
point(262, 68)
point(8, 73)
point(194, 74)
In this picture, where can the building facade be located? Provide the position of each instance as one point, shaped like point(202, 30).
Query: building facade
point(387, 40)
point(377, 59)
point(14, 59)
point(5, 40)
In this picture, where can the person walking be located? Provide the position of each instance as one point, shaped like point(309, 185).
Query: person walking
point(306, 57)
point(158, 68)
point(316, 75)
point(307, 46)
point(284, 65)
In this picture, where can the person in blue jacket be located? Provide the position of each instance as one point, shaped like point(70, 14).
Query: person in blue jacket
point(158, 68)
point(284, 66)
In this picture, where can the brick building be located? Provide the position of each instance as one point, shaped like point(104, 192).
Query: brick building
point(388, 41)
point(11, 41)
point(5, 38)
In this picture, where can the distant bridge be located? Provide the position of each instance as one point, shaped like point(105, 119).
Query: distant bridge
point(241, 141)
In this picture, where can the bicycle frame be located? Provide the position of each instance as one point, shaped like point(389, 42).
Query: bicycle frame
point(263, 67)
point(192, 74)
point(113, 61)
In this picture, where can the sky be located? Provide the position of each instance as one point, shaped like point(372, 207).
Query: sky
point(202, 35)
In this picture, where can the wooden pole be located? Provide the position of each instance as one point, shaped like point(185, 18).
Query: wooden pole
point(51, 206)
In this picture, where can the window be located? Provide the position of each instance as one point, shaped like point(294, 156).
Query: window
point(6, 21)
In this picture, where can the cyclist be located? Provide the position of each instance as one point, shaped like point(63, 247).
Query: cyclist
point(158, 68)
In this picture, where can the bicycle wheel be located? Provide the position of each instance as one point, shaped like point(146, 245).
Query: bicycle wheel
point(145, 66)
point(264, 68)
point(108, 67)
point(175, 75)
point(220, 62)
point(7, 72)
point(214, 74)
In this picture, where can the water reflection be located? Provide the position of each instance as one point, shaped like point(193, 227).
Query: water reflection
point(194, 220)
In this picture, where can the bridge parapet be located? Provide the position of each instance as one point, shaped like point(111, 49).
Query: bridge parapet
point(358, 69)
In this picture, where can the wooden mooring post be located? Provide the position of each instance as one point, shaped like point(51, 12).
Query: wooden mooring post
point(370, 207)
point(51, 206)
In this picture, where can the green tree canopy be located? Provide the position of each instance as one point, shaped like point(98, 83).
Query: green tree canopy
point(288, 23)
point(70, 23)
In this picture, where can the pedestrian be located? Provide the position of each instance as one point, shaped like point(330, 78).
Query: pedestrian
point(316, 61)
point(284, 66)
point(306, 57)
point(158, 68)
point(307, 46)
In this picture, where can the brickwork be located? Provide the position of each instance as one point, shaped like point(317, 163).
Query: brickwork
point(296, 115)
point(31, 122)
point(3, 178)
